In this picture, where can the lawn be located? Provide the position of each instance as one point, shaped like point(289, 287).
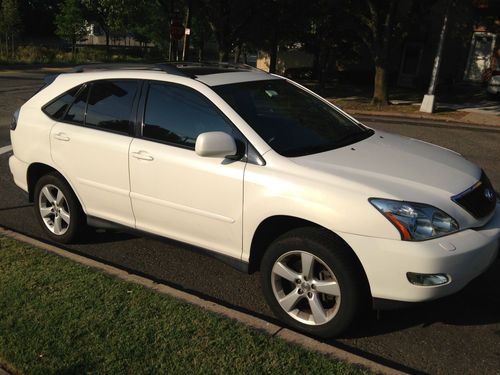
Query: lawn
point(60, 317)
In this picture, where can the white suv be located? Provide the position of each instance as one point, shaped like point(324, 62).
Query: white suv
point(263, 173)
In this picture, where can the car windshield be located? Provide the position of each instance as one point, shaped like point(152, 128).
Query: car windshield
point(292, 121)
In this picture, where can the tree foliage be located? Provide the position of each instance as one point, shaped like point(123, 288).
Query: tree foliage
point(230, 22)
point(335, 32)
point(70, 22)
point(10, 23)
point(111, 15)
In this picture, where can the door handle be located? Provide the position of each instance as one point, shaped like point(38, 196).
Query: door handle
point(61, 137)
point(142, 155)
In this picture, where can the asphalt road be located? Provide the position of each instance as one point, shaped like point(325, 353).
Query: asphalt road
point(455, 335)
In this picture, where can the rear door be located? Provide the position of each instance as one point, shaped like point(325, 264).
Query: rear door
point(90, 146)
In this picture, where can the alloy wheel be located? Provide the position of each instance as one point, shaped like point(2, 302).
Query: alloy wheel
point(54, 209)
point(305, 287)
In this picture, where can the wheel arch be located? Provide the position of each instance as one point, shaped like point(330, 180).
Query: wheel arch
point(275, 226)
point(36, 171)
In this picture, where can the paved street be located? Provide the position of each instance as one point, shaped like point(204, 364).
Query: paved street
point(456, 335)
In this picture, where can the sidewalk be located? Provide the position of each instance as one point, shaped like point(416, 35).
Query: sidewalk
point(463, 103)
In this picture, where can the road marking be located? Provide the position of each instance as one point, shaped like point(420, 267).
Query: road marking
point(249, 320)
point(5, 149)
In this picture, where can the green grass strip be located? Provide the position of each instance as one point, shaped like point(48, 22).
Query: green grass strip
point(60, 317)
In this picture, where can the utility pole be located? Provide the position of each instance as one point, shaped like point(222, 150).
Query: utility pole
point(429, 102)
point(187, 33)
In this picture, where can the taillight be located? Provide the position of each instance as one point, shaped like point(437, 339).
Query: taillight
point(13, 123)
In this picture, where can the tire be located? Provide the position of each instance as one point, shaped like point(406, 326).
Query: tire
point(324, 301)
point(57, 209)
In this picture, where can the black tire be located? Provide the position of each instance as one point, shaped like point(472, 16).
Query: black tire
point(77, 222)
point(334, 253)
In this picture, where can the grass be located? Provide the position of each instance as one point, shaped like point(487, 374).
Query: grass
point(60, 317)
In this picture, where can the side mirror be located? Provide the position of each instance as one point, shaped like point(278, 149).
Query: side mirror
point(215, 144)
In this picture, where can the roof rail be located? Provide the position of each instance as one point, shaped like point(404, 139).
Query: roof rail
point(179, 68)
point(214, 64)
point(162, 67)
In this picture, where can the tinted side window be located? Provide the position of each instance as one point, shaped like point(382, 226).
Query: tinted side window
point(177, 114)
point(76, 113)
point(58, 107)
point(110, 105)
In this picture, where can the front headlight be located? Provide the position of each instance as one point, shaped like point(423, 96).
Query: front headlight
point(416, 221)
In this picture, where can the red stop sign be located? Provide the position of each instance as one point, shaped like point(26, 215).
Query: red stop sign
point(177, 31)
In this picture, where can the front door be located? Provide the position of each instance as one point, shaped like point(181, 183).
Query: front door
point(176, 193)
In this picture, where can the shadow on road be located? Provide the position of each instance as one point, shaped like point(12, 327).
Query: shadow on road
point(474, 305)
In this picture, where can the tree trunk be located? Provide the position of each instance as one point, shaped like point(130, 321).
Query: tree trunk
point(273, 55)
point(107, 42)
point(13, 49)
point(324, 59)
point(380, 85)
point(185, 49)
point(201, 50)
point(224, 52)
point(237, 53)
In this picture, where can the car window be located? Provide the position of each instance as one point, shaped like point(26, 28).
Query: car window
point(292, 121)
point(76, 113)
point(57, 108)
point(110, 104)
point(177, 114)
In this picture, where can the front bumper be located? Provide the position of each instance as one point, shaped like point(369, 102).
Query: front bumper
point(462, 256)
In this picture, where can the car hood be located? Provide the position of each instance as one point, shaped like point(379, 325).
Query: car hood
point(398, 166)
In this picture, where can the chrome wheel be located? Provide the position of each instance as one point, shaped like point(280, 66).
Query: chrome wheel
point(305, 287)
point(54, 209)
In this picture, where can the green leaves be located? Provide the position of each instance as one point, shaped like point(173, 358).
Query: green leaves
point(70, 22)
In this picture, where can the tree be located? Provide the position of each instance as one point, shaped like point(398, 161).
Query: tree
point(200, 34)
point(279, 24)
point(71, 24)
point(377, 19)
point(111, 15)
point(2, 30)
point(326, 33)
point(10, 23)
point(229, 20)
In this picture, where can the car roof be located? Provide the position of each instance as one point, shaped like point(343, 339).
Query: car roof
point(209, 73)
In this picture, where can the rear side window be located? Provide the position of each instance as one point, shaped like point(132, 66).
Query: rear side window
point(76, 114)
point(57, 108)
point(177, 114)
point(106, 104)
point(110, 105)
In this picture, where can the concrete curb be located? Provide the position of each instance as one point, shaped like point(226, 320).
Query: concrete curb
point(249, 320)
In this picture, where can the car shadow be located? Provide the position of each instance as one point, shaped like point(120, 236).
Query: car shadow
point(481, 295)
point(476, 304)
point(480, 307)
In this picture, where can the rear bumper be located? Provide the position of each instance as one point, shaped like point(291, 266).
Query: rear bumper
point(461, 256)
point(19, 171)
